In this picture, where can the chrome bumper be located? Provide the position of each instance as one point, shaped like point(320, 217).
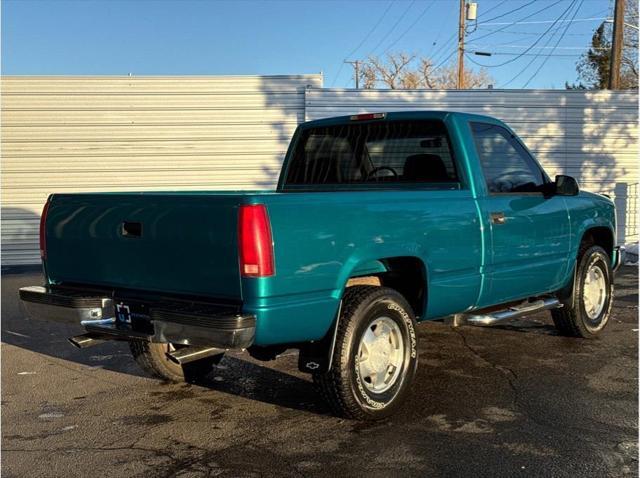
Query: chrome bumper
point(69, 308)
point(208, 325)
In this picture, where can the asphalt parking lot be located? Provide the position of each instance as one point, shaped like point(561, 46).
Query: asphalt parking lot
point(515, 400)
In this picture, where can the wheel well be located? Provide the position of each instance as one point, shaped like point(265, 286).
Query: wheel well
point(599, 236)
point(407, 275)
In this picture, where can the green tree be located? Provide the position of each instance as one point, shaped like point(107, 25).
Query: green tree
point(594, 66)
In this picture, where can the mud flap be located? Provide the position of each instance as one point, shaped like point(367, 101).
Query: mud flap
point(565, 295)
point(317, 356)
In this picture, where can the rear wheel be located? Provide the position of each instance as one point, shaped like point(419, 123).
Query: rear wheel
point(152, 358)
point(592, 296)
point(375, 355)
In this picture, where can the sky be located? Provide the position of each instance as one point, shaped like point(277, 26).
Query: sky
point(199, 37)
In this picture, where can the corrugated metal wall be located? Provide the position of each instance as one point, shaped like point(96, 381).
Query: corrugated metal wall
point(591, 135)
point(71, 134)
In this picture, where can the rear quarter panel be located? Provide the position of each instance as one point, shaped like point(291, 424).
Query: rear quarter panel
point(321, 238)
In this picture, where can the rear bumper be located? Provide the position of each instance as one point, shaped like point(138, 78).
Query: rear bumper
point(185, 323)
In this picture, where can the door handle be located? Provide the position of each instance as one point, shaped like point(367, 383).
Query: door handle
point(131, 229)
point(498, 218)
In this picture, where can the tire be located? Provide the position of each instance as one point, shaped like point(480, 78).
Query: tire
point(589, 314)
point(347, 386)
point(152, 359)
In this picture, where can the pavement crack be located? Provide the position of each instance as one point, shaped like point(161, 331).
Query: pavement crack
point(511, 377)
point(505, 371)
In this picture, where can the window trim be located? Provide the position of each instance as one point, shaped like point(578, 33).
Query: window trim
point(532, 160)
point(457, 185)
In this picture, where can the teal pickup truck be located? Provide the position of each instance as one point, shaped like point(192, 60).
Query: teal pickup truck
point(379, 221)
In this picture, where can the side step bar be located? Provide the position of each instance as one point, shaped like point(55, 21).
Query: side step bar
point(492, 318)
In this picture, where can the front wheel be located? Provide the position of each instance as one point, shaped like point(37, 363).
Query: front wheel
point(375, 355)
point(592, 296)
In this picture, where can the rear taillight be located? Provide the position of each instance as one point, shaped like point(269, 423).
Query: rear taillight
point(254, 239)
point(43, 234)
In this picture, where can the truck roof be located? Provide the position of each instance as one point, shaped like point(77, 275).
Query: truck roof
point(399, 115)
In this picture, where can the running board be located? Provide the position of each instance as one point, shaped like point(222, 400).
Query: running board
point(492, 318)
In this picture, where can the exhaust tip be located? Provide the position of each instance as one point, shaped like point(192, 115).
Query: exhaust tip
point(84, 341)
point(191, 354)
point(172, 358)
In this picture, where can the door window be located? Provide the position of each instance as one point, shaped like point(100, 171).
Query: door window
point(507, 166)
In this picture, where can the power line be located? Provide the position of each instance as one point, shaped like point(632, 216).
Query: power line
point(511, 32)
point(439, 59)
point(511, 11)
point(546, 59)
point(493, 8)
point(445, 60)
point(443, 47)
point(418, 18)
point(509, 53)
point(549, 21)
point(571, 5)
point(519, 32)
point(539, 53)
point(439, 34)
point(505, 45)
point(382, 40)
point(366, 37)
point(519, 20)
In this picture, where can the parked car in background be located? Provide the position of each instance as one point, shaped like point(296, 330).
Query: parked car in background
point(379, 221)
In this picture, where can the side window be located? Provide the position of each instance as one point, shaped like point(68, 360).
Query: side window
point(507, 166)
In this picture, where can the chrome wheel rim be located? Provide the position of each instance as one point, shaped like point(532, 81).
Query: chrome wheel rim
point(594, 291)
point(380, 355)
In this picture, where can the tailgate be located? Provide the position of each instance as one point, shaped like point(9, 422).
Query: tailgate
point(181, 243)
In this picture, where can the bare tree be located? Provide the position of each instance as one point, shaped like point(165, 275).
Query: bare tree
point(446, 77)
point(390, 71)
point(406, 71)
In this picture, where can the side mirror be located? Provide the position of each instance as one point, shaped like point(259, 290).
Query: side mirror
point(566, 186)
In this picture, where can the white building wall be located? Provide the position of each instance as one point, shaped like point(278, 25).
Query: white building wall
point(591, 135)
point(73, 134)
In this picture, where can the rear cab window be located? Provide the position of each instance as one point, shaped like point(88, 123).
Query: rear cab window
point(379, 154)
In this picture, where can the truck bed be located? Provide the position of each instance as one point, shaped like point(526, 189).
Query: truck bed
point(177, 243)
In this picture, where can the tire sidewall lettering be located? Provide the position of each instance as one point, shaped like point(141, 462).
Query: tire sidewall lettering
point(595, 258)
point(400, 315)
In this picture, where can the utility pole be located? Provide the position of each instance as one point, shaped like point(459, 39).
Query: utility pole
point(356, 67)
point(461, 27)
point(616, 45)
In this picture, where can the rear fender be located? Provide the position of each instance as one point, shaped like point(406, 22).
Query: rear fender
point(369, 261)
point(317, 356)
